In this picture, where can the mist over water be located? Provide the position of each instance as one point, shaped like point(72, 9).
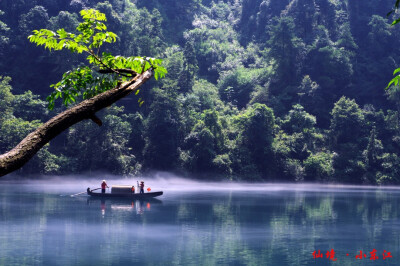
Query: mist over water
point(195, 223)
point(169, 182)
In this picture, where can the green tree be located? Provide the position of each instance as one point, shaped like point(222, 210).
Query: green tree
point(379, 36)
point(298, 120)
point(137, 137)
point(324, 59)
point(301, 138)
point(4, 39)
point(348, 136)
point(237, 86)
point(305, 14)
point(215, 42)
point(107, 148)
point(206, 96)
point(347, 123)
point(318, 167)
point(107, 72)
point(174, 62)
point(189, 71)
point(205, 146)
point(390, 173)
point(310, 96)
point(200, 144)
point(393, 94)
point(6, 106)
point(346, 39)
point(30, 107)
point(254, 144)
point(373, 154)
point(295, 142)
point(85, 81)
point(13, 130)
point(163, 132)
point(284, 47)
point(36, 17)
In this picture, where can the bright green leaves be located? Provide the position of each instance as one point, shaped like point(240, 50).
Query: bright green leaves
point(82, 81)
point(137, 64)
point(92, 35)
point(396, 21)
point(48, 39)
point(396, 80)
point(92, 15)
point(93, 30)
point(101, 37)
point(159, 70)
point(105, 70)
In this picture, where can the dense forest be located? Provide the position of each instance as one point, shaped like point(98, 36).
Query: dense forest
point(258, 90)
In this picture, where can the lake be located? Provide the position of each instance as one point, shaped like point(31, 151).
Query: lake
point(197, 223)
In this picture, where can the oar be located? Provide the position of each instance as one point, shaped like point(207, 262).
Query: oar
point(84, 192)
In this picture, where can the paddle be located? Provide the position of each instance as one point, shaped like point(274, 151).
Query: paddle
point(84, 192)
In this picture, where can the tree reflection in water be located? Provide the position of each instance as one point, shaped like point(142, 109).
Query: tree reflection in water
point(257, 227)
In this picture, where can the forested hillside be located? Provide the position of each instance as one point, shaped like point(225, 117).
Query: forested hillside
point(274, 90)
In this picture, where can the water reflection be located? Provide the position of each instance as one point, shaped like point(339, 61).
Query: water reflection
point(264, 227)
point(123, 205)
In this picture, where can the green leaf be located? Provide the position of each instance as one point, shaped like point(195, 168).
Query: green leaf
point(396, 71)
point(84, 82)
point(396, 21)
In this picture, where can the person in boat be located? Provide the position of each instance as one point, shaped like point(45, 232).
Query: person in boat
point(141, 187)
point(104, 186)
point(133, 189)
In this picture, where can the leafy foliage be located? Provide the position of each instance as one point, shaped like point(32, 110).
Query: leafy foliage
point(395, 81)
point(318, 166)
point(85, 81)
point(256, 90)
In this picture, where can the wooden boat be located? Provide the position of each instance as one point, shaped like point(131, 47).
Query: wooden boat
point(124, 195)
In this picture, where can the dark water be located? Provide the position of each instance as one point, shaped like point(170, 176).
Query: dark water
point(199, 224)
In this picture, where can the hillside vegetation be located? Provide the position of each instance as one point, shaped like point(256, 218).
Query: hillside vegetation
point(259, 90)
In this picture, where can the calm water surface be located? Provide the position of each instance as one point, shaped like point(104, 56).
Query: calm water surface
point(198, 224)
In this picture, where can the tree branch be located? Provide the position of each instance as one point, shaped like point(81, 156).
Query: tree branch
point(31, 144)
point(120, 70)
point(112, 70)
point(96, 120)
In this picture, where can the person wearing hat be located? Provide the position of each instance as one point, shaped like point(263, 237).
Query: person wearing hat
point(141, 187)
point(103, 186)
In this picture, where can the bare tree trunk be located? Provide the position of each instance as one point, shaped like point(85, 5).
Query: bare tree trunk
point(30, 145)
